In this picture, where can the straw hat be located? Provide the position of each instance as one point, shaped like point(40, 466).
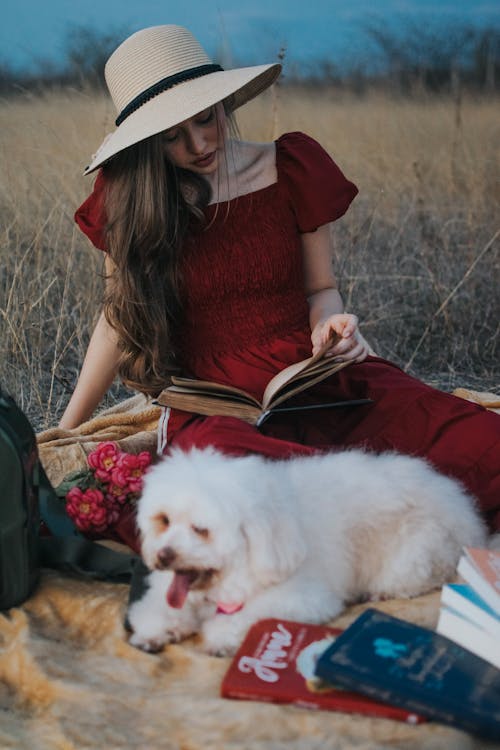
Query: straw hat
point(161, 76)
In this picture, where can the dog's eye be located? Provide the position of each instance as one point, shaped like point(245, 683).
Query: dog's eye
point(201, 531)
point(161, 522)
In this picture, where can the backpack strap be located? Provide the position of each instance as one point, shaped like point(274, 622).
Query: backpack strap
point(74, 554)
point(52, 510)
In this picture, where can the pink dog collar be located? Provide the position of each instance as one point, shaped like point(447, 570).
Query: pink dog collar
point(224, 608)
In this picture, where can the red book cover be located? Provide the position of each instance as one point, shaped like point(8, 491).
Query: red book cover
point(276, 662)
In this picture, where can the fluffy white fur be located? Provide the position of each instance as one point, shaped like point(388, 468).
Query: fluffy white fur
point(294, 539)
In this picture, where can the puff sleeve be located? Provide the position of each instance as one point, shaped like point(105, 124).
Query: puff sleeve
point(316, 188)
point(91, 218)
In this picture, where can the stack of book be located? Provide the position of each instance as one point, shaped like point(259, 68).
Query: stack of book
point(470, 611)
point(380, 666)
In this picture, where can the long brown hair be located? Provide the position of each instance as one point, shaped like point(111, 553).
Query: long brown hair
point(149, 204)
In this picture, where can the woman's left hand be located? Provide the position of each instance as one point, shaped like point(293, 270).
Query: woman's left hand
point(351, 347)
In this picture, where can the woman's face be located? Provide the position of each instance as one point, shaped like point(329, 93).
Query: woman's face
point(195, 144)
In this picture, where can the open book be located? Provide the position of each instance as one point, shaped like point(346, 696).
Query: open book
point(210, 399)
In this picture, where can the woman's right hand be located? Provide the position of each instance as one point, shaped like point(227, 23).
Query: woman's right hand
point(350, 347)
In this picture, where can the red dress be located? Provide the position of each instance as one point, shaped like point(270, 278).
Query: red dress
point(246, 317)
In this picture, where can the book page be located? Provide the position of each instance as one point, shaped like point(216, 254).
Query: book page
point(304, 382)
point(298, 369)
point(208, 404)
point(207, 393)
point(205, 387)
point(469, 635)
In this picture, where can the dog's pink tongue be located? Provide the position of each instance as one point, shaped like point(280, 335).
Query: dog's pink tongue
point(178, 590)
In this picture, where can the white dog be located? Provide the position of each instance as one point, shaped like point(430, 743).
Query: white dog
point(234, 540)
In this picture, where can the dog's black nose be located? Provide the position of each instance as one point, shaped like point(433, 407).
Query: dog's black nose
point(165, 557)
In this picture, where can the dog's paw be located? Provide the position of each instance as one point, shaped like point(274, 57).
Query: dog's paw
point(154, 643)
point(220, 651)
point(150, 645)
point(221, 636)
point(220, 645)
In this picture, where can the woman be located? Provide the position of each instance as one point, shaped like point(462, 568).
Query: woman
point(218, 264)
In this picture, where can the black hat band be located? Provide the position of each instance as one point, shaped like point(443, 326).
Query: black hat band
point(163, 85)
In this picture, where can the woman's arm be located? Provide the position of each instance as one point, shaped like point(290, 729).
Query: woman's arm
point(98, 371)
point(326, 309)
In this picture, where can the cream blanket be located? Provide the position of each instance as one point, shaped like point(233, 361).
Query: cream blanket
point(70, 681)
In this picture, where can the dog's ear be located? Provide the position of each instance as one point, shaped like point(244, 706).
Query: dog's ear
point(275, 544)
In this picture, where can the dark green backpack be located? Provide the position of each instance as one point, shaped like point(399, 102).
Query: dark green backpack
point(26, 499)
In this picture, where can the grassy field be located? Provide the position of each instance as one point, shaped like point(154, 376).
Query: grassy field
point(416, 255)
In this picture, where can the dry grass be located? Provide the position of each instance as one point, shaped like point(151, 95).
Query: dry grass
point(417, 254)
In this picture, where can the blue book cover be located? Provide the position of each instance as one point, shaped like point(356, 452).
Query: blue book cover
point(410, 666)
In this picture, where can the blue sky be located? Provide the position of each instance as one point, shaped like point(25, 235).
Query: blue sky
point(35, 30)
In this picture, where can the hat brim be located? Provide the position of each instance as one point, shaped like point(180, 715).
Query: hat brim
point(183, 101)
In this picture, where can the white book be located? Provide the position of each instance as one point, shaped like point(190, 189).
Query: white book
point(466, 601)
point(469, 635)
point(481, 569)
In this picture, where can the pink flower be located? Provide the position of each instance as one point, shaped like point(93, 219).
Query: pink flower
point(129, 470)
point(114, 479)
point(115, 493)
point(89, 510)
point(103, 460)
